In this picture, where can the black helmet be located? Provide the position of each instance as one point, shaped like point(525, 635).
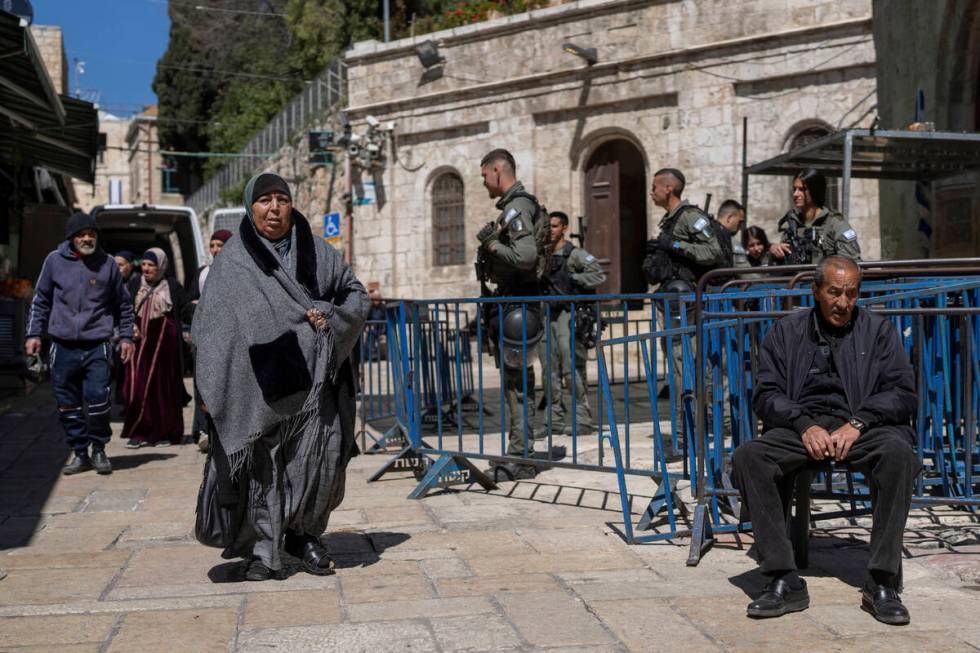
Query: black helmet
point(677, 285)
point(522, 330)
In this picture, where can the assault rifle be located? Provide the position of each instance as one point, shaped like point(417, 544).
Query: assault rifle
point(801, 246)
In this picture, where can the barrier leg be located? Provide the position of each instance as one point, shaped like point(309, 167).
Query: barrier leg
point(393, 436)
point(659, 502)
point(451, 469)
point(405, 460)
point(702, 538)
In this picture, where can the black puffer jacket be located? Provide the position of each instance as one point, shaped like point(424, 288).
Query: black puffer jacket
point(878, 380)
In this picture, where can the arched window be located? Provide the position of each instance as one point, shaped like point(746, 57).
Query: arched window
point(805, 137)
point(448, 223)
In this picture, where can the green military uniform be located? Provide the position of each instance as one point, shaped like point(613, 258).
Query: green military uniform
point(511, 259)
point(694, 241)
point(572, 270)
point(832, 235)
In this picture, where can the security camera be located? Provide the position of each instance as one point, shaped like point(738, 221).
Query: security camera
point(373, 149)
point(390, 126)
point(374, 122)
point(353, 149)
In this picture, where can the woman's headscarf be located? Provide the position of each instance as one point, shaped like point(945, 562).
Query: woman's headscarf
point(154, 297)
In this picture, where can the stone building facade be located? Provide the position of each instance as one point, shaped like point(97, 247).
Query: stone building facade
point(147, 178)
point(673, 81)
point(112, 173)
point(936, 52)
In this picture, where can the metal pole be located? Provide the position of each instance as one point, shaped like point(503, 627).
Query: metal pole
point(846, 199)
point(745, 176)
point(387, 10)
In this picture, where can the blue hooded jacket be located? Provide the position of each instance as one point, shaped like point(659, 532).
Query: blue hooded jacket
point(80, 298)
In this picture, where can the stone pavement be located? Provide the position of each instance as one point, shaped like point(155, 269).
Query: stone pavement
point(110, 564)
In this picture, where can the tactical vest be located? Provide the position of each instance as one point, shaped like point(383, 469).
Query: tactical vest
point(683, 267)
point(725, 240)
point(559, 278)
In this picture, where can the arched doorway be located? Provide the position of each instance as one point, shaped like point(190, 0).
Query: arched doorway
point(615, 204)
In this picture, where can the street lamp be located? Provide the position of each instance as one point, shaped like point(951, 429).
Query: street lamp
point(428, 54)
point(588, 54)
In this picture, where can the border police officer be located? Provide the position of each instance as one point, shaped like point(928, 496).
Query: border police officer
point(687, 247)
point(811, 231)
point(731, 214)
point(509, 256)
point(572, 271)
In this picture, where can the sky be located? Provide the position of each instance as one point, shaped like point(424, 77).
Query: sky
point(119, 41)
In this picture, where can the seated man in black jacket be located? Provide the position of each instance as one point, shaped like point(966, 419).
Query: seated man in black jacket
point(833, 384)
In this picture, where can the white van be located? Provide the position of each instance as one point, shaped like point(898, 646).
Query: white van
point(138, 227)
point(229, 218)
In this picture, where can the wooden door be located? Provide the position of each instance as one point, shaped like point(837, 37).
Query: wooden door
point(602, 210)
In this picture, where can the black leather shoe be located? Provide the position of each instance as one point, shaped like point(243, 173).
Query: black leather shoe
point(511, 472)
point(885, 605)
point(777, 599)
point(80, 463)
point(101, 462)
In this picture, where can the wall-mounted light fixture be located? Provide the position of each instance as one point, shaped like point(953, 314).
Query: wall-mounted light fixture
point(588, 54)
point(428, 54)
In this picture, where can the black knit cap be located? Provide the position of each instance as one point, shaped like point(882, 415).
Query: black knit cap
point(79, 222)
point(270, 183)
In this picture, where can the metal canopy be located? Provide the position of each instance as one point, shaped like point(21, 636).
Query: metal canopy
point(36, 124)
point(917, 156)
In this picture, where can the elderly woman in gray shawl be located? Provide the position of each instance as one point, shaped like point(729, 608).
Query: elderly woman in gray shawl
point(274, 328)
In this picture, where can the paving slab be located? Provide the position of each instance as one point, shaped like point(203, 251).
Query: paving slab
point(651, 625)
point(553, 619)
point(54, 631)
point(176, 630)
point(292, 608)
point(384, 637)
point(486, 632)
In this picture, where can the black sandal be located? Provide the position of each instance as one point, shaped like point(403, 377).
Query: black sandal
point(312, 555)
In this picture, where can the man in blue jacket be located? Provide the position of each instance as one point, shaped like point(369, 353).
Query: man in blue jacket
point(80, 296)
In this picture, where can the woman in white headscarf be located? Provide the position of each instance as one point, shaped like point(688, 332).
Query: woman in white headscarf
point(152, 391)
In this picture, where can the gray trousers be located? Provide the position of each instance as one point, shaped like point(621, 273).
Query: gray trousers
point(562, 376)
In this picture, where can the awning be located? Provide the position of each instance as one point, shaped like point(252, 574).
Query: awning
point(913, 155)
point(37, 125)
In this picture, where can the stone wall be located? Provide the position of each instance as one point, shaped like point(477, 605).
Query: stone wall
point(675, 78)
point(112, 164)
point(938, 52)
point(51, 45)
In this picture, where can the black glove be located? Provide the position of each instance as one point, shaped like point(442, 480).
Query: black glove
point(488, 230)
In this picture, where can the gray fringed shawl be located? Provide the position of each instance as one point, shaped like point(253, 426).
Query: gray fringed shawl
point(260, 364)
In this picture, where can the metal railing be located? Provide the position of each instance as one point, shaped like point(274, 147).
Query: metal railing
point(323, 95)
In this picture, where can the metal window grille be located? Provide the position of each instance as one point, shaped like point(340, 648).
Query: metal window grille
point(448, 222)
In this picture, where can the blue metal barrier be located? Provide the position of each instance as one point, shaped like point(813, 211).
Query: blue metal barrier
point(450, 402)
point(941, 340)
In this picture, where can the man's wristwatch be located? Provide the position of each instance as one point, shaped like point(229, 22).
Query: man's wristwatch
point(858, 424)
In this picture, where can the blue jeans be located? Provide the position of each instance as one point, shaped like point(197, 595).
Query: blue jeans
point(80, 374)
